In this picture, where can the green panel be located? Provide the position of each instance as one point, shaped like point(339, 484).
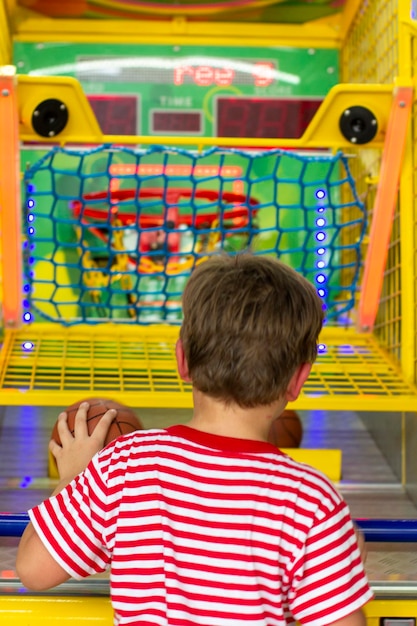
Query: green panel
point(166, 78)
point(215, 85)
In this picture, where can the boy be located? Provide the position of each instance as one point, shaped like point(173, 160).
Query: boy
point(208, 523)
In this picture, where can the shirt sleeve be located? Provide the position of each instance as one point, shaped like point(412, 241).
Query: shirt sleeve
point(328, 578)
point(72, 524)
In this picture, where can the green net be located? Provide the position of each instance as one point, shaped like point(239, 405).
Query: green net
point(113, 233)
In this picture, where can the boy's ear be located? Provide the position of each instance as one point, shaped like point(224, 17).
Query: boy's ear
point(297, 381)
point(182, 362)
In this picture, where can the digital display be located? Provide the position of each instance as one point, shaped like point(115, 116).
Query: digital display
point(116, 115)
point(260, 74)
point(264, 117)
point(202, 71)
point(188, 122)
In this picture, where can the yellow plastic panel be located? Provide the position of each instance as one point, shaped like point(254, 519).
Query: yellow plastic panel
point(378, 609)
point(82, 127)
point(177, 31)
point(23, 610)
point(136, 365)
point(324, 128)
point(327, 461)
point(32, 90)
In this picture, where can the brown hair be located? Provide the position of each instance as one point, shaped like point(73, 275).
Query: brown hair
point(249, 322)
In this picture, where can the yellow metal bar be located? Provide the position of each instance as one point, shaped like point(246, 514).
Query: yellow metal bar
point(5, 36)
point(407, 33)
point(203, 9)
point(323, 132)
point(398, 608)
point(54, 610)
point(385, 203)
point(26, 610)
point(10, 205)
point(178, 31)
point(408, 270)
point(405, 25)
point(327, 461)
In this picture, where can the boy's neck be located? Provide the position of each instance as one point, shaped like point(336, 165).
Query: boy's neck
point(215, 417)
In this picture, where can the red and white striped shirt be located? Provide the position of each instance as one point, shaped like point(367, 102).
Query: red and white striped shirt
point(199, 529)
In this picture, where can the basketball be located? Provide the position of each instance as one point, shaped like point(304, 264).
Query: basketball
point(287, 430)
point(126, 421)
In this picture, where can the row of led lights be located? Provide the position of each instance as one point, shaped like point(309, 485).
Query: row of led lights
point(321, 236)
point(27, 345)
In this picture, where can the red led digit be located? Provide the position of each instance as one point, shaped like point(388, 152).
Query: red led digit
point(182, 71)
point(264, 117)
point(233, 116)
point(116, 115)
point(223, 76)
point(308, 110)
point(176, 121)
point(263, 74)
point(273, 120)
point(203, 75)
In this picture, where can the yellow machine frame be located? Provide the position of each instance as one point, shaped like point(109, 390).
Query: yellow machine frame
point(377, 40)
point(368, 378)
point(96, 611)
point(382, 375)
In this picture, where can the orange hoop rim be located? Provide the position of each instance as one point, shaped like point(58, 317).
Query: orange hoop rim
point(81, 209)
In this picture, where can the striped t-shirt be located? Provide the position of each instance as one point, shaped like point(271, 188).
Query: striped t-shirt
point(199, 529)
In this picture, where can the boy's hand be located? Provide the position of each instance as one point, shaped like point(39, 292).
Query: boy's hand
point(77, 449)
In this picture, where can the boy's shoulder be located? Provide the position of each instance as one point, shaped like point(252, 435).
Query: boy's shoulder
point(268, 477)
point(257, 458)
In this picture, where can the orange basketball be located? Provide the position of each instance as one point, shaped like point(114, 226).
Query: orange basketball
point(287, 430)
point(126, 421)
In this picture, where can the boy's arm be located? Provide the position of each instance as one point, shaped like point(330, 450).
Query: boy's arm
point(334, 586)
point(35, 566)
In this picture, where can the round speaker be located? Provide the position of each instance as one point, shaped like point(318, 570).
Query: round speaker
point(50, 118)
point(358, 124)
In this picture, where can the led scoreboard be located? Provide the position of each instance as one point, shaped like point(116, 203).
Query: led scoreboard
point(190, 90)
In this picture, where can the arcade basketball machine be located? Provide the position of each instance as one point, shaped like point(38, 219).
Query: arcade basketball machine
point(137, 139)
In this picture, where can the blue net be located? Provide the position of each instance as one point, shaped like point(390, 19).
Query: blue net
point(113, 233)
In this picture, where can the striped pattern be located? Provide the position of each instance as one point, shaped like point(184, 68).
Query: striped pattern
point(207, 530)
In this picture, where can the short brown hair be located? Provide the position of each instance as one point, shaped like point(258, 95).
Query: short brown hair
point(249, 322)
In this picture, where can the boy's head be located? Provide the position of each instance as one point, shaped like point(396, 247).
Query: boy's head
point(249, 323)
